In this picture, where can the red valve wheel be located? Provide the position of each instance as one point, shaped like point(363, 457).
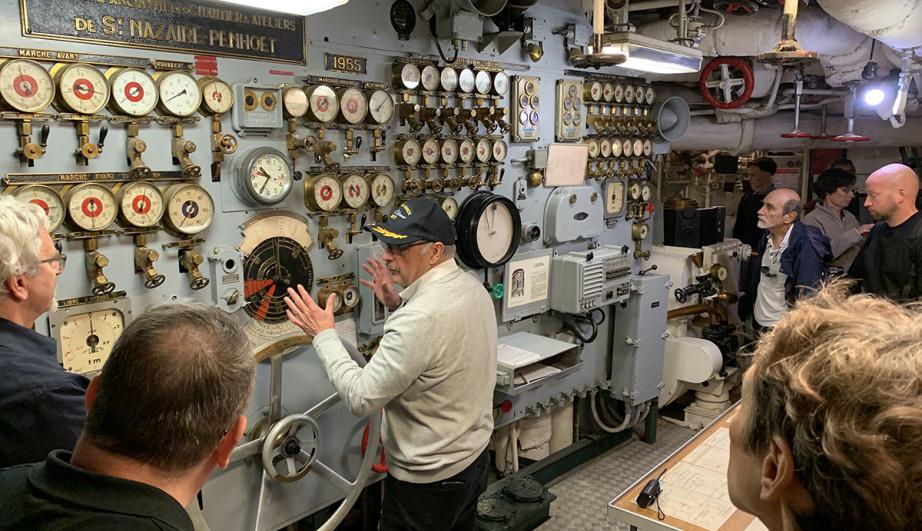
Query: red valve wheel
point(851, 137)
point(381, 466)
point(727, 82)
point(797, 134)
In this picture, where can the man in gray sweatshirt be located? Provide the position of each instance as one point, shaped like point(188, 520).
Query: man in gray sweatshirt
point(433, 372)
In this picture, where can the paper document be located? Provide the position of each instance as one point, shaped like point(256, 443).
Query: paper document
point(514, 357)
point(534, 372)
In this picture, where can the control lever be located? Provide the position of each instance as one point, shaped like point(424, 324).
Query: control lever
point(136, 146)
point(378, 139)
point(189, 262)
point(704, 287)
point(95, 262)
point(430, 115)
point(144, 258)
point(643, 272)
point(28, 151)
point(326, 237)
point(181, 149)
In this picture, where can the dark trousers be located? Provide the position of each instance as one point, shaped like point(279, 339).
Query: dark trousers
point(447, 505)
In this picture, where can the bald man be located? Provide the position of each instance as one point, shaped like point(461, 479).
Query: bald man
point(887, 262)
point(792, 256)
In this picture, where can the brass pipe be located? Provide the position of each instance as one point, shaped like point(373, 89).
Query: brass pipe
point(715, 314)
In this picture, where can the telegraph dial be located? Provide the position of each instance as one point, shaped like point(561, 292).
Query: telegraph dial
point(489, 229)
point(25, 85)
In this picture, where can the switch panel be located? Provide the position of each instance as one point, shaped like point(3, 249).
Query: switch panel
point(567, 110)
point(526, 109)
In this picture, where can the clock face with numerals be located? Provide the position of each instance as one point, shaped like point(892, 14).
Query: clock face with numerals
point(614, 197)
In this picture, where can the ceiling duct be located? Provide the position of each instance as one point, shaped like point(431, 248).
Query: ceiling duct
point(896, 23)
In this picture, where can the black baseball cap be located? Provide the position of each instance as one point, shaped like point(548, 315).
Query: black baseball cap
point(419, 219)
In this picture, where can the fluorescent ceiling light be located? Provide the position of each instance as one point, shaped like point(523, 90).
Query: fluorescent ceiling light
point(652, 55)
point(294, 7)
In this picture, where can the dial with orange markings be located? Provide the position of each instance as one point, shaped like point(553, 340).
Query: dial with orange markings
point(274, 265)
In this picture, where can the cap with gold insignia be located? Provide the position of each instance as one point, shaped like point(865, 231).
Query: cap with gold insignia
point(419, 219)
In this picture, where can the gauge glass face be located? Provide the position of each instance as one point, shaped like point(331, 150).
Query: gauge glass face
point(294, 102)
point(627, 148)
point(382, 189)
point(500, 150)
point(593, 148)
point(629, 94)
point(189, 208)
point(608, 92)
point(269, 177)
point(572, 90)
point(534, 118)
point(274, 265)
point(595, 91)
point(179, 93)
point(495, 232)
point(449, 151)
point(141, 204)
point(568, 104)
point(91, 206)
point(650, 95)
point(430, 77)
point(605, 147)
point(356, 191)
point(637, 147)
point(353, 105)
point(614, 197)
point(327, 193)
point(46, 199)
point(217, 96)
point(409, 76)
point(616, 148)
point(26, 86)
point(466, 80)
point(647, 148)
point(350, 297)
point(83, 88)
point(449, 79)
point(466, 150)
point(450, 206)
point(523, 117)
point(642, 231)
point(381, 106)
point(411, 152)
point(645, 192)
point(500, 83)
point(618, 93)
point(87, 339)
point(134, 92)
point(484, 150)
point(323, 103)
point(431, 151)
point(483, 82)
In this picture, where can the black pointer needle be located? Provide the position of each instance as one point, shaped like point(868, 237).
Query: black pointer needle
point(176, 95)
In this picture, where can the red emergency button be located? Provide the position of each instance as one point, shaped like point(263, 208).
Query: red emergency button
point(506, 406)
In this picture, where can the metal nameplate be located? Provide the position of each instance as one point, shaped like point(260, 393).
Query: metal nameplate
point(70, 178)
point(345, 63)
point(91, 299)
point(602, 77)
point(183, 243)
point(335, 81)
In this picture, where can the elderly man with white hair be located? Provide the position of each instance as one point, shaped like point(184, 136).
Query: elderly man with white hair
point(41, 405)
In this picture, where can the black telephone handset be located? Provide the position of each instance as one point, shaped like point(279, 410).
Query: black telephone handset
point(650, 493)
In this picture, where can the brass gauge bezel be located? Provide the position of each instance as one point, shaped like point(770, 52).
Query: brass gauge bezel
point(243, 184)
point(207, 107)
point(431, 151)
point(268, 101)
point(403, 74)
point(46, 78)
point(250, 100)
point(370, 116)
point(448, 79)
point(311, 201)
point(341, 95)
point(56, 197)
point(363, 183)
point(59, 70)
point(333, 102)
point(287, 106)
point(115, 73)
point(103, 191)
point(398, 151)
point(168, 198)
point(391, 187)
point(125, 190)
point(161, 77)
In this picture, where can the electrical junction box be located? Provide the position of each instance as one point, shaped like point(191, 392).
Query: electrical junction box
point(584, 280)
point(569, 123)
point(257, 109)
point(638, 342)
point(573, 213)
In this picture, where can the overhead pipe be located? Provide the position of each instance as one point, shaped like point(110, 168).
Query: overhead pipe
point(895, 23)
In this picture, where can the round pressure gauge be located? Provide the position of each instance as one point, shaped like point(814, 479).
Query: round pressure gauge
point(489, 229)
point(637, 147)
point(482, 82)
point(529, 87)
point(140, 204)
point(263, 176)
point(466, 150)
point(647, 148)
point(450, 206)
point(618, 94)
point(629, 94)
point(608, 92)
point(616, 148)
point(25, 85)
point(294, 102)
point(380, 107)
point(484, 150)
point(353, 106)
point(627, 148)
point(449, 79)
point(81, 88)
point(500, 150)
point(639, 94)
point(592, 91)
point(189, 208)
point(572, 92)
point(649, 95)
point(645, 192)
point(91, 206)
point(431, 151)
point(430, 78)
point(408, 152)
point(501, 83)
point(593, 148)
point(350, 297)
point(217, 95)
point(449, 151)
point(605, 147)
point(179, 93)
point(356, 191)
point(407, 75)
point(383, 190)
point(87, 338)
point(634, 191)
point(133, 91)
point(323, 193)
point(47, 199)
point(323, 104)
point(640, 231)
point(466, 80)
point(614, 197)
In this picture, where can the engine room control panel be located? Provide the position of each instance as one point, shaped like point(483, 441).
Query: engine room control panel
point(585, 280)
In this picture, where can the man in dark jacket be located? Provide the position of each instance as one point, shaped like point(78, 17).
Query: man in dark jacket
point(791, 259)
point(761, 172)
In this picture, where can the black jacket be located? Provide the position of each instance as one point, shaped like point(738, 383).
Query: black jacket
point(888, 262)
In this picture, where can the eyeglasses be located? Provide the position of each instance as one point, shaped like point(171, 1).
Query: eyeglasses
point(400, 250)
point(58, 261)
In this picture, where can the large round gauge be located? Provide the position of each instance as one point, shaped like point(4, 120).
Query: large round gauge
point(489, 230)
point(353, 106)
point(189, 208)
point(466, 150)
point(608, 92)
point(483, 82)
point(605, 147)
point(500, 150)
point(380, 107)
point(294, 102)
point(637, 147)
point(616, 148)
point(81, 88)
point(640, 231)
point(179, 93)
point(217, 95)
point(273, 266)
point(133, 91)
point(649, 95)
point(592, 91)
point(323, 193)
point(25, 85)
point(323, 104)
point(356, 191)
point(593, 148)
point(140, 204)
point(484, 150)
point(46, 199)
point(383, 190)
point(500, 83)
point(629, 94)
point(408, 152)
point(466, 80)
point(430, 78)
point(449, 79)
point(450, 206)
point(647, 148)
point(634, 191)
point(86, 339)
point(431, 151)
point(91, 206)
point(645, 192)
point(407, 75)
point(449, 151)
point(618, 94)
point(614, 197)
point(263, 176)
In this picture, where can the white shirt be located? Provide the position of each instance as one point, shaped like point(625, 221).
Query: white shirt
point(770, 304)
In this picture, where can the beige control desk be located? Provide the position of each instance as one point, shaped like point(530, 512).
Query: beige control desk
point(694, 486)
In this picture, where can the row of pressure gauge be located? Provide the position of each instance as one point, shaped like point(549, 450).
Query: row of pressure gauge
point(349, 105)
point(605, 147)
point(411, 76)
point(410, 151)
point(328, 192)
point(185, 208)
point(601, 92)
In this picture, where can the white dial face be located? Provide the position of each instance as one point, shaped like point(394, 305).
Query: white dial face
point(269, 177)
point(466, 150)
point(483, 82)
point(529, 87)
point(323, 103)
point(605, 147)
point(217, 96)
point(26, 86)
point(87, 339)
point(46, 199)
point(91, 206)
point(450, 206)
point(484, 150)
point(593, 148)
point(641, 231)
point(430, 77)
point(466, 80)
point(629, 94)
point(356, 191)
point(614, 197)
point(627, 148)
point(634, 191)
point(133, 92)
point(647, 148)
point(353, 105)
point(449, 151)
point(616, 148)
point(449, 79)
point(637, 147)
point(500, 150)
point(595, 91)
point(650, 95)
point(189, 208)
point(294, 102)
point(431, 151)
point(409, 76)
point(83, 88)
point(350, 297)
point(141, 204)
point(381, 106)
point(382, 189)
point(411, 152)
point(327, 192)
point(618, 94)
point(501, 83)
point(645, 192)
point(608, 92)
point(179, 93)
point(495, 232)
